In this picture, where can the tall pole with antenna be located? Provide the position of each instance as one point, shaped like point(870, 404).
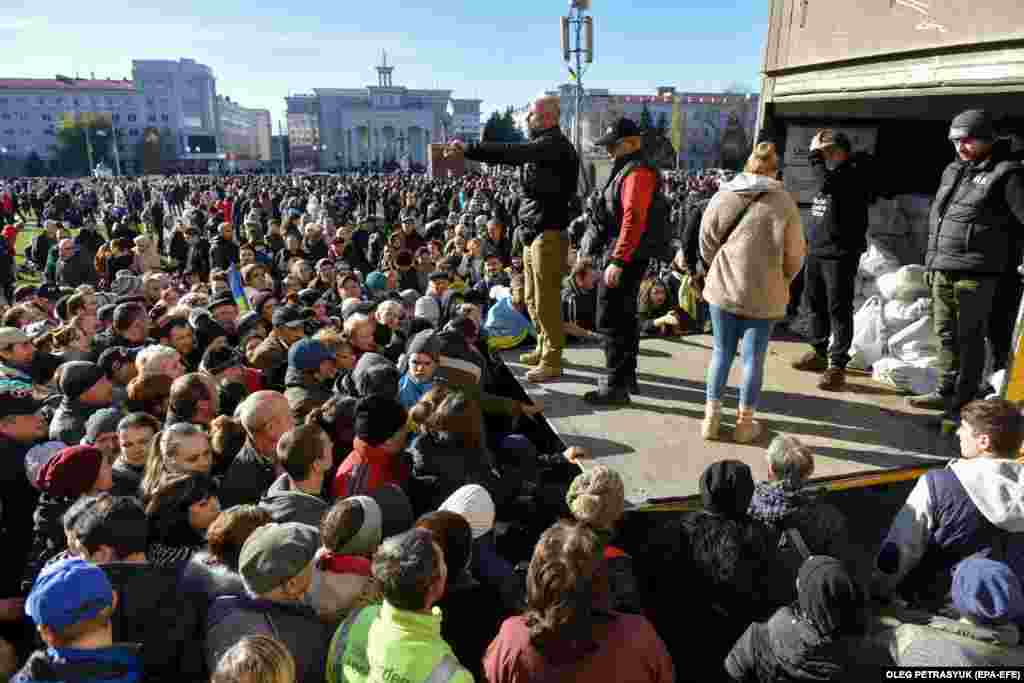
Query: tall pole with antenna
point(578, 51)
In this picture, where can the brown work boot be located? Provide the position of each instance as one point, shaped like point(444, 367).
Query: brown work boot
point(812, 361)
point(833, 379)
point(543, 373)
point(530, 358)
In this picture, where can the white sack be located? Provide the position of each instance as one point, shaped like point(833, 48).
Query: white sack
point(869, 334)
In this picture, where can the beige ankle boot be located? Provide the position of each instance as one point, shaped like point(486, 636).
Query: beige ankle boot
point(712, 420)
point(747, 428)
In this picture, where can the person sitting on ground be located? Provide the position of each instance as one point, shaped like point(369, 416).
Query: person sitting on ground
point(403, 635)
point(256, 659)
point(816, 638)
point(154, 607)
point(71, 604)
point(579, 300)
point(305, 454)
point(657, 312)
point(381, 432)
point(981, 629)
point(804, 523)
point(276, 564)
point(563, 633)
point(959, 510)
point(342, 578)
point(213, 571)
point(180, 511)
point(597, 498)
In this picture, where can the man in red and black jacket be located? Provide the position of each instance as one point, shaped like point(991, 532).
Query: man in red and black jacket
point(626, 200)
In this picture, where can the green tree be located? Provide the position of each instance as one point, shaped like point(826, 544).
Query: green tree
point(72, 149)
point(645, 119)
point(502, 128)
point(34, 165)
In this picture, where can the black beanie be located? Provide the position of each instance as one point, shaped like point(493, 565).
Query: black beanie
point(726, 488)
point(78, 377)
point(973, 123)
point(378, 418)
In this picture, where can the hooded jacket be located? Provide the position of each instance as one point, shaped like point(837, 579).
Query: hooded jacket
point(68, 423)
point(750, 272)
point(448, 465)
point(366, 469)
point(971, 506)
point(837, 227)
point(114, 664)
point(286, 503)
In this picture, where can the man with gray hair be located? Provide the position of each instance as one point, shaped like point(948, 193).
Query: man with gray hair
point(549, 183)
point(405, 640)
point(159, 360)
point(266, 417)
point(73, 266)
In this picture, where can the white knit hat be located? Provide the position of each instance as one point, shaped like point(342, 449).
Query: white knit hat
point(473, 502)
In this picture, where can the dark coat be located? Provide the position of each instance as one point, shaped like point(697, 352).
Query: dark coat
point(155, 611)
point(247, 479)
point(285, 503)
point(19, 500)
point(202, 575)
point(48, 538)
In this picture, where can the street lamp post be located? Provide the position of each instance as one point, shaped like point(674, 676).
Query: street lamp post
point(578, 50)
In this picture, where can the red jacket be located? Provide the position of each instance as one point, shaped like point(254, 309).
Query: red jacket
point(637, 193)
point(366, 469)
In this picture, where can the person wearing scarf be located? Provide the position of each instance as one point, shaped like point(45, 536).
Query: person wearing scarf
point(814, 639)
point(342, 578)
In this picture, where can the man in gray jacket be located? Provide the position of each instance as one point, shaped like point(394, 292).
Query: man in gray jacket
point(305, 455)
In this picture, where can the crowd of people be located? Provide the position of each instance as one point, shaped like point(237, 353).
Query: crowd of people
point(257, 429)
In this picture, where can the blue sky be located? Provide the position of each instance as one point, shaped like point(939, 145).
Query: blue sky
point(502, 52)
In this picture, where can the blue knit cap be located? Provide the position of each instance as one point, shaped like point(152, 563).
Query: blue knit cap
point(987, 591)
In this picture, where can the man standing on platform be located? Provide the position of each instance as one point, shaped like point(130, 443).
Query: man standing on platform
point(623, 212)
point(550, 169)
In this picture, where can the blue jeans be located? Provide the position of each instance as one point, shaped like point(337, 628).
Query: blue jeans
point(729, 330)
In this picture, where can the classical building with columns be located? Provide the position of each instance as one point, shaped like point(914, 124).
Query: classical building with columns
point(372, 126)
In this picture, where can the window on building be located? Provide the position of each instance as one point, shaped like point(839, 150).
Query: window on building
point(13, 147)
point(150, 102)
point(50, 131)
point(42, 100)
point(110, 101)
point(5, 116)
point(75, 101)
point(23, 100)
point(9, 131)
point(47, 117)
point(165, 118)
point(131, 118)
point(133, 132)
point(151, 118)
point(60, 100)
point(116, 118)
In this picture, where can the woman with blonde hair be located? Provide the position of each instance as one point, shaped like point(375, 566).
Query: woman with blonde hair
point(753, 244)
point(256, 659)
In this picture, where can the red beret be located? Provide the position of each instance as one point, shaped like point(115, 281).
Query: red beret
point(71, 472)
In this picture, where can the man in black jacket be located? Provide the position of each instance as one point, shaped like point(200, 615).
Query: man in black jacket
point(836, 237)
point(549, 181)
point(973, 227)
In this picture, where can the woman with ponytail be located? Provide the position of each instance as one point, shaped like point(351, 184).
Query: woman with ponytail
point(563, 635)
point(182, 448)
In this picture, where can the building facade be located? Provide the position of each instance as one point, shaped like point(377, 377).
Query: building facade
point(245, 134)
point(373, 126)
point(717, 129)
point(166, 117)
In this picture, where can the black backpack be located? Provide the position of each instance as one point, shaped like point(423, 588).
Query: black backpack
point(657, 238)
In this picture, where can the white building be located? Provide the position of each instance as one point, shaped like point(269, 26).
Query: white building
point(716, 128)
point(371, 126)
point(245, 134)
point(172, 101)
point(465, 118)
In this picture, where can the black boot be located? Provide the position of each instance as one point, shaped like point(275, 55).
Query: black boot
point(607, 395)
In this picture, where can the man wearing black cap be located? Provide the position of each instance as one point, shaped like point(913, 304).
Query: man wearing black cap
point(972, 243)
point(626, 200)
point(549, 183)
point(836, 237)
point(271, 355)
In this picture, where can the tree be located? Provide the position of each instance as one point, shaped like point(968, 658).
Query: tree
point(72, 149)
point(502, 128)
point(34, 165)
point(645, 119)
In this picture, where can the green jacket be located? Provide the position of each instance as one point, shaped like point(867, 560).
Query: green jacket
point(383, 644)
